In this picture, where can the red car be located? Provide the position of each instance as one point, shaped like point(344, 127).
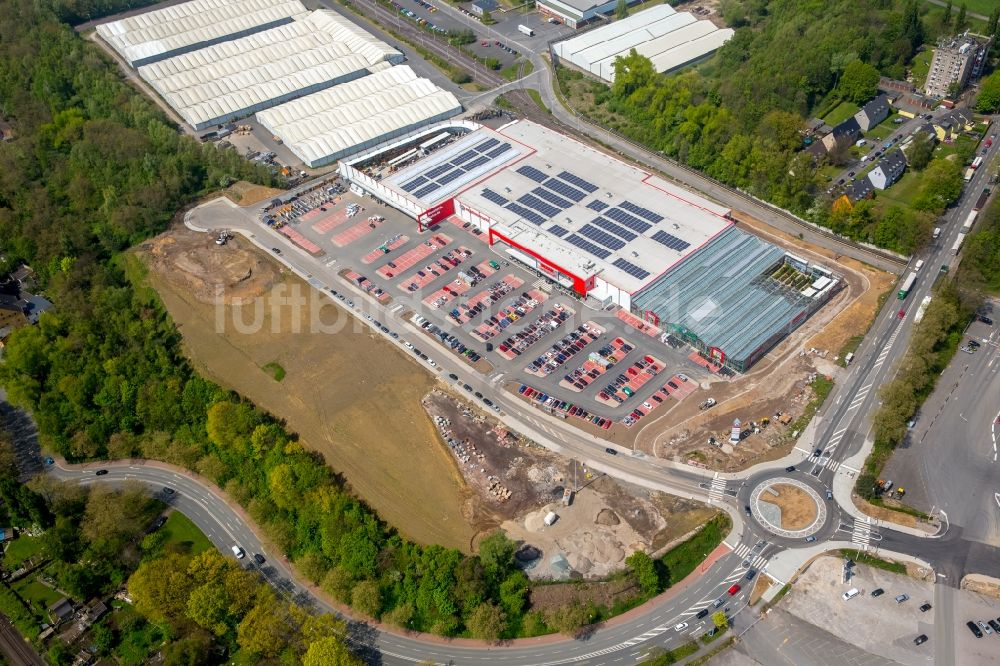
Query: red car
point(902, 313)
point(734, 589)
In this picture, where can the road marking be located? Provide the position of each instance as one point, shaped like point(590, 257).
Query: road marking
point(717, 490)
point(862, 532)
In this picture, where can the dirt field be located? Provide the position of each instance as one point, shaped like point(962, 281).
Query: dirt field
point(778, 383)
point(519, 483)
point(348, 395)
point(798, 510)
point(247, 194)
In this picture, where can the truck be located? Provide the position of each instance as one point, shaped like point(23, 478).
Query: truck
point(976, 163)
point(958, 244)
point(904, 289)
point(969, 221)
point(969, 173)
point(525, 30)
point(981, 201)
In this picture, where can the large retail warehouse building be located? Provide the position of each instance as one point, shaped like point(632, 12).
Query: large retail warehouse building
point(611, 233)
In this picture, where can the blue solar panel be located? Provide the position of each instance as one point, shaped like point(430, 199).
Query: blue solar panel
point(539, 205)
point(532, 173)
point(557, 231)
point(630, 221)
point(631, 269)
point(483, 146)
point(579, 182)
point(608, 225)
point(414, 184)
point(551, 198)
point(490, 195)
point(589, 247)
point(464, 157)
point(424, 191)
point(601, 237)
point(562, 188)
point(496, 152)
point(448, 177)
point(597, 205)
point(641, 212)
point(438, 170)
point(671, 241)
point(529, 215)
point(476, 163)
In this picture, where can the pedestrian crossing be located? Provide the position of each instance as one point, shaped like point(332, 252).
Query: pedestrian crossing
point(717, 489)
point(862, 533)
point(756, 561)
point(886, 349)
point(828, 463)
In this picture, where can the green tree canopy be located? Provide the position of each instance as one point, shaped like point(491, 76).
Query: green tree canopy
point(989, 94)
point(859, 83)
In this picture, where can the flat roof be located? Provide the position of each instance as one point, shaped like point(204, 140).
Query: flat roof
point(590, 213)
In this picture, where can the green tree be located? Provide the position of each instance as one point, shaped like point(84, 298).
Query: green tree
point(193, 649)
point(160, 589)
point(920, 150)
point(496, 552)
point(961, 22)
point(487, 17)
point(859, 82)
point(266, 630)
point(720, 620)
point(989, 94)
point(329, 651)
point(621, 9)
point(994, 22)
point(487, 622)
point(946, 17)
point(569, 619)
point(643, 571)
point(367, 598)
point(942, 185)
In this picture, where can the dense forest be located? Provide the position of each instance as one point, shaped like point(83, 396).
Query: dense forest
point(95, 169)
point(738, 118)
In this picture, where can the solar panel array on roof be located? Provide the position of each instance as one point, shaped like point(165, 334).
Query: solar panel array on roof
point(631, 269)
point(630, 221)
point(529, 215)
point(641, 212)
point(557, 231)
point(587, 246)
point(597, 205)
point(671, 241)
point(608, 225)
point(601, 237)
point(414, 184)
point(532, 201)
point(532, 173)
point(562, 188)
point(498, 199)
point(442, 174)
point(553, 199)
point(579, 182)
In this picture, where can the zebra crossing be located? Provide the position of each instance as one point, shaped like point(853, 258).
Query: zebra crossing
point(886, 349)
point(862, 533)
point(756, 561)
point(717, 489)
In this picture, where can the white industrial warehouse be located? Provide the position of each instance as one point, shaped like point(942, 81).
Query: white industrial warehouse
point(670, 40)
point(156, 35)
point(325, 126)
point(237, 78)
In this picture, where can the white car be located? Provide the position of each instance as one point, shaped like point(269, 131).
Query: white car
point(681, 627)
point(432, 363)
point(408, 345)
point(851, 593)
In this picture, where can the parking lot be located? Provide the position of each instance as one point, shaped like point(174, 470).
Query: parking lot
point(499, 316)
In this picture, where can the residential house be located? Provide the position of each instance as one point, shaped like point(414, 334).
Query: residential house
point(950, 125)
point(60, 610)
point(843, 134)
point(859, 189)
point(872, 113)
point(889, 169)
point(480, 7)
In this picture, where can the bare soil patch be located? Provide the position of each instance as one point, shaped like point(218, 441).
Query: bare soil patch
point(247, 194)
point(985, 585)
point(759, 588)
point(351, 396)
point(798, 509)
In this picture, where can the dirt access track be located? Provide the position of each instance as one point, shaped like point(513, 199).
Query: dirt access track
point(779, 382)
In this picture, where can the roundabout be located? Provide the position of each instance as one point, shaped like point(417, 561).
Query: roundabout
point(788, 508)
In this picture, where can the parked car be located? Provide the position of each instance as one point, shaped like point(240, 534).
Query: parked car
point(974, 629)
point(901, 598)
point(878, 592)
point(925, 607)
point(920, 640)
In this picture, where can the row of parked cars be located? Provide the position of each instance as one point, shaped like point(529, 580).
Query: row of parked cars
point(563, 406)
point(450, 340)
point(611, 390)
point(571, 345)
point(534, 332)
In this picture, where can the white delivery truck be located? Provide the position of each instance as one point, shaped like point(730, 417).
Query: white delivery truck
point(525, 30)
